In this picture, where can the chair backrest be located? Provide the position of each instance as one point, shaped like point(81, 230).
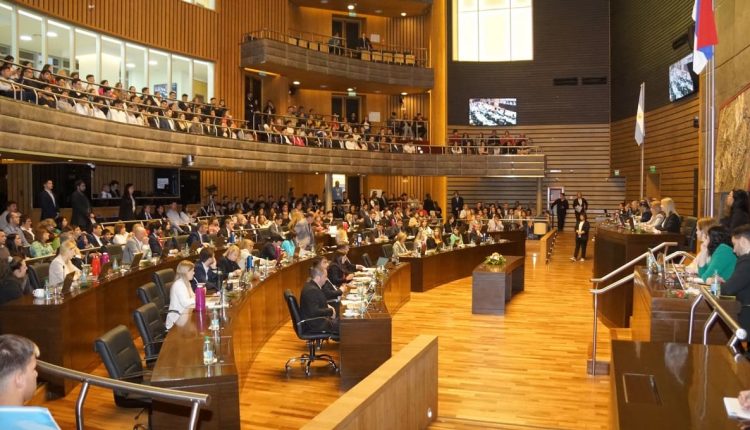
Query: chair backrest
point(149, 293)
point(37, 274)
point(114, 251)
point(151, 328)
point(388, 250)
point(409, 245)
point(366, 260)
point(163, 280)
point(181, 241)
point(291, 303)
point(118, 353)
point(687, 228)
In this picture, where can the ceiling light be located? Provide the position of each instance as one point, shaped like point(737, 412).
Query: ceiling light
point(378, 10)
point(350, 7)
point(51, 34)
point(403, 94)
point(324, 1)
point(403, 13)
point(25, 37)
point(130, 65)
point(153, 63)
point(350, 89)
point(296, 82)
point(324, 86)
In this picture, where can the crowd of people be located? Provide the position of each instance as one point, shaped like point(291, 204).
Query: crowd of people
point(491, 144)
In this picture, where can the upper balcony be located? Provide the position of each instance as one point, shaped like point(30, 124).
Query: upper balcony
point(326, 62)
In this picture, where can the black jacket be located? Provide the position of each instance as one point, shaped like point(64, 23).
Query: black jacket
point(585, 229)
point(737, 218)
point(313, 304)
point(201, 277)
point(49, 208)
point(671, 224)
point(738, 285)
point(126, 209)
point(81, 209)
point(561, 204)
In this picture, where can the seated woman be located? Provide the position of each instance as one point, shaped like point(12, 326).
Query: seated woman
point(121, 234)
point(13, 280)
point(15, 245)
point(672, 221)
point(701, 235)
point(246, 251)
point(62, 264)
point(456, 239)
point(41, 247)
point(181, 295)
point(721, 258)
point(229, 262)
point(399, 246)
point(494, 224)
point(289, 245)
point(436, 240)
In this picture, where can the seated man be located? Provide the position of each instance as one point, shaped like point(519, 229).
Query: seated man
point(342, 270)
point(199, 236)
point(137, 243)
point(205, 270)
point(314, 305)
point(738, 284)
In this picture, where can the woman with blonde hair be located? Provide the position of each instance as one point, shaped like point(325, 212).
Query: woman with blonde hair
point(246, 251)
point(181, 295)
point(62, 265)
point(229, 262)
point(672, 221)
point(399, 246)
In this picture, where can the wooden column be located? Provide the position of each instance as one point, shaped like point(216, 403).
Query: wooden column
point(439, 93)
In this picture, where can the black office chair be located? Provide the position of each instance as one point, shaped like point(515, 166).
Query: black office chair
point(312, 338)
point(151, 328)
point(366, 261)
point(38, 273)
point(149, 293)
point(163, 280)
point(387, 250)
point(123, 362)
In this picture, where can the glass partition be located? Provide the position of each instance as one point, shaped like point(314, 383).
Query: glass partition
point(30, 39)
point(112, 56)
point(59, 49)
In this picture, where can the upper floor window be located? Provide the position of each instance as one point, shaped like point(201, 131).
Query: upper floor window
point(493, 30)
point(208, 4)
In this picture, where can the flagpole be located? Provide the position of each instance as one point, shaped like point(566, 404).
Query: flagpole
point(711, 137)
point(643, 168)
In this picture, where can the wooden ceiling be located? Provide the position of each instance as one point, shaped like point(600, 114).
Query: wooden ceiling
point(389, 8)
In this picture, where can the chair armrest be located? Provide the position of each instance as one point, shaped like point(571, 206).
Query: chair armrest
point(135, 375)
point(299, 323)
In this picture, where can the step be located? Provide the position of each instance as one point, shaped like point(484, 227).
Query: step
point(464, 424)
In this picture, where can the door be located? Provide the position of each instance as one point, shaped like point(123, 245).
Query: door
point(348, 29)
point(653, 186)
point(347, 107)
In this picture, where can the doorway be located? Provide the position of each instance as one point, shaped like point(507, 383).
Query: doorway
point(253, 101)
point(653, 185)
point(349, 29)
point(348, 107)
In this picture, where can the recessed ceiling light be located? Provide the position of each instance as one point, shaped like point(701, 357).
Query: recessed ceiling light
point(70, 161)
point(350, 7)
point(377, 91)
point(403, 13)
point(324, 86)
point(130, 65)
point(153, 63)
point(25, 37)
point(51, 34)
point(350, 89)
point(378, 10)
point(296, 82)
point(324, 1)
point(403, 94)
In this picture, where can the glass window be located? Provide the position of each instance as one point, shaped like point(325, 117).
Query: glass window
point(493, 30)
point(59, 51)
point(86, 56)
point(30, 39)
point(111, 60)
point(135, 67)
point(200, 80)
point(181, 81)
point(6, 30)
point(158, 72)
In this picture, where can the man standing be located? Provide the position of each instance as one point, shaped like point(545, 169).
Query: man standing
point(48, 202)
point(580, 205)
point(81, 205)
point(562, 209)
point(338, 193)
point(457, 203)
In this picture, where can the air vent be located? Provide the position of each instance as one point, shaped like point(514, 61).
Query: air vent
point(594, 81)
point(564, 81)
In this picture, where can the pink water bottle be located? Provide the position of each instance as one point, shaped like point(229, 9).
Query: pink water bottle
point(105, 258)
point(200, 299)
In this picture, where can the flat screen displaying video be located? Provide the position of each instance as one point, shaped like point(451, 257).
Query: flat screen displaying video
point(682, 80)
point(493, 112)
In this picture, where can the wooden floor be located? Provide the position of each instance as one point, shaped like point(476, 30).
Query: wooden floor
point(524, 370)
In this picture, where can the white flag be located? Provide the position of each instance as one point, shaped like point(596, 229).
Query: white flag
point(640, 128)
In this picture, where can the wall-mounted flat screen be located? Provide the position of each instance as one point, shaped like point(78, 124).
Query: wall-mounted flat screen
point(682, 80)
point(493, 112)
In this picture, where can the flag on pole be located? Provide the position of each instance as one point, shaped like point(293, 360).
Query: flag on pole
point(640, 127)
point(705, 34)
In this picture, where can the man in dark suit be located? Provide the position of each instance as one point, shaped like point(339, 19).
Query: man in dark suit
point(205, 270)
point(48, 202)
point(561, 204)
point(80, 205)
point(199, 236)
point(428, 204)
point(154, 243)
point(314, 305)
point(95, 237)
point(738, 284)
point(457, 203)
point(364, 43)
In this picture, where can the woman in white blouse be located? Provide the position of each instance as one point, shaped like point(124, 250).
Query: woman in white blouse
point(62, 265)
point(181, 295)
point(121, 234)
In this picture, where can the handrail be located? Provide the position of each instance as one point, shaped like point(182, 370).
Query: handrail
point(676, 254)
point(738, 333)
point(596, 291)
point(632, 262)
point(195, 400)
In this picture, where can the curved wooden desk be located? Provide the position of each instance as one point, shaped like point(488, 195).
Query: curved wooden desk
point(254, 315)
point(65, 328)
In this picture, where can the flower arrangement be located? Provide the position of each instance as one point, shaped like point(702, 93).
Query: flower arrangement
point(496, 259)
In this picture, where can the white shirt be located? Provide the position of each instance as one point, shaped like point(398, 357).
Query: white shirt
point(58, 270)
point(181, 298)
point(120, 239)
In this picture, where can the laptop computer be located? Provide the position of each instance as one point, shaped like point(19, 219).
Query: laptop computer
point(382, 261)
point(136, 260)
point(68, 281)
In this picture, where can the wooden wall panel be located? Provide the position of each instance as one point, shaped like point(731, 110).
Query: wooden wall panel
point(179, 27)
point(141, 177)
point(251, 184)
point(578, 159)
point(732, 55)
point(671, 145)
point(641, 40)
point(20, 188)
point(415, 186)
point(571, 39)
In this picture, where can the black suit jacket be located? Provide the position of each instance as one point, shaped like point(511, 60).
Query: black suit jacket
point(585, 229)
point(313, 304)
point(49, 208)
point(153, 243)
point(561, 204)
point(201, 277)
point(738, 285)
point(671, 224)
point(81, 209)
point(457, 203)
point(126, 209)
point(196, 237)
point(583, 207)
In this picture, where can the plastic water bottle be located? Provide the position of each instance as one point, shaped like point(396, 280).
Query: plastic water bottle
point(208, 351)
point(715, 288)
point(115, 266)
point(47, 289)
